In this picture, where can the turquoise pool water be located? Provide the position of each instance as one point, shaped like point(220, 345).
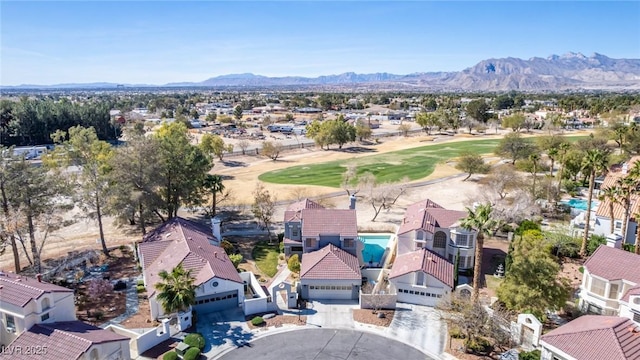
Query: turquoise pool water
point(580, 204)
point(374, 247)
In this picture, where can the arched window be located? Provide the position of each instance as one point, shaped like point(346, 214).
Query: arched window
point(45, 304)
point(440, 240)
point(93, 355)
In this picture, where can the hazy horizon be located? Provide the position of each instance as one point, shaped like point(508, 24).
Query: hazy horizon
point(156, 43)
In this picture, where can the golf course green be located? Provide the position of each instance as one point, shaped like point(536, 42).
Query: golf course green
point(415, 163)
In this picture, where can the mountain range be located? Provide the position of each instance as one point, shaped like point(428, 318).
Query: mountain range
point(571, 71)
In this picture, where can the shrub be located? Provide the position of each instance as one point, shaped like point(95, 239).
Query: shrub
point(191, 354)
point(257, 321)
point(171, 355)
point(236, 259)
point(455, 333)
point(281, 246)
point(140, 288)
point(478, 346)
point(195, 340)
point(294, 263)
point(527, 225)
point(281, 238)
point(99, 315)
point(140, 282)
point(581, 269)
point(227, 246)
point(594, 242)
point(530, 355)
point(98, 288)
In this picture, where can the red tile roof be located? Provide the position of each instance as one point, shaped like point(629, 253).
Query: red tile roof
point(596, 337)
point(330, 263)
point(634, 291)
point(427, 215)
point(19, 290)
point(329, 221)
point(614, 264)
point(293, 210)
point(423, 260)
point(180, 241)
point(62, 340)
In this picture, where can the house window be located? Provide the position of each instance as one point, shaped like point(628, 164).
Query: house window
point(451, 258)
point(597, 286)
point(618, 225)
point(11, 322)
point(310, 242)
point(419, 245)
point(462, 240)
point(420, 278)
point(613, 291)
point(440, 240)
point(349, 243)
point(636, 316)
point(294, 231)
point(419, 235)
point(44, 317)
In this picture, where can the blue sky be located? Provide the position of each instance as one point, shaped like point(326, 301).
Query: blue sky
point(156, 42)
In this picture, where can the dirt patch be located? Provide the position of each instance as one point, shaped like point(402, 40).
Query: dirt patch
point(367, 316)
point(455, 347)
point(141, 319)
point(278, 321)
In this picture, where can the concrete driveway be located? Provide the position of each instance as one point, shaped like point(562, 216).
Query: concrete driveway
point(418, 326)
point(333, 314)
point(320, 344)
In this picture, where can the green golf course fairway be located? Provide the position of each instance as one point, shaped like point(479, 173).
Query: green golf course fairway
point(415, 163)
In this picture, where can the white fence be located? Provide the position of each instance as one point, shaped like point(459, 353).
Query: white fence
point(143, 341)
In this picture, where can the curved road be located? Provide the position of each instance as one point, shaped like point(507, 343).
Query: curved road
point(325, 344)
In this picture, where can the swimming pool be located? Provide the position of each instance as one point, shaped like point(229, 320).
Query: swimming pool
point(580, 204)
point(374, 247)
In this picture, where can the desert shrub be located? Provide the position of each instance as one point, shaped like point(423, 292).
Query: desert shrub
point(294, 263)
point(98, 288)
point(140, 282)
point(227, 246)
point(480, 346)
point(191, 354)
point(257, 321)
point(140, 288)
point(281, 246)
point(571, 186)
point(527, 225)
point(581, 269)
point(281, 257)
point(527, 166)
point(530, 355)
point(455, 333)
point(594, 242)
point(195, 340)
point(236, 259)
point(99, 315)
point(171, 355)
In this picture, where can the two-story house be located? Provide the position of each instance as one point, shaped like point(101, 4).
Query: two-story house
point(421, 277)
point(603, 218)
point(430, 226)
point(610, 281)
point(181, 241)
point(40, 317)
point(327, 240)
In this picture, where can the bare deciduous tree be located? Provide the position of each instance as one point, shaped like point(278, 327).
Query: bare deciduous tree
point(501, 180)
point(381, 196)
point(350, 182)
point(263, 206)
point(244, 145)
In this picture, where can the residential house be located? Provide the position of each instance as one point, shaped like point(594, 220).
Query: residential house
point(611, 283)
point(593, 337)
point(181, 241)
point(308, 226)
point(603, 215)
point(69, 340)
point(429, 225)
point(41, 316)
point(422, 277)
point(330, 273)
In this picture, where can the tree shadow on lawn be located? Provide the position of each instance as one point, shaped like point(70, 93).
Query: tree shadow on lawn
point(233, 163)
point(355, 150)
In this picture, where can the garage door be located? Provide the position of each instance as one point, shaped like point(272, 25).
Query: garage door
point(330, 292)
point(217, 302)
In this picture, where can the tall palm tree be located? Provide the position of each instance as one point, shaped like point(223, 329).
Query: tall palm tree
point(552, 153)
point(482, 222)
point(636, 247)
point(595, 162)
point(625, 190)
point(213, 184)
point(176, 291)
point(610, 193)
point(563, 148)
point(534, 158)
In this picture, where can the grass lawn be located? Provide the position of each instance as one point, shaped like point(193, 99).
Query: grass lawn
point(266, 257)
point(415, 163)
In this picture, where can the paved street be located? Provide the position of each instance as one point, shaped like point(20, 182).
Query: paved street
point(325, 344)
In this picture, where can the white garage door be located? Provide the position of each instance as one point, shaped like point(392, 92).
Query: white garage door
point(417, 297)
point(330, 292)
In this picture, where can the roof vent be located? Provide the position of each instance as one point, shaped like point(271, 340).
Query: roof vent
point(215, 254)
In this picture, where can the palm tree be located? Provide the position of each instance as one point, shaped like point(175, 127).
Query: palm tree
point(176, 291)
point(562, 148)
point(625, 190)
point(213, 184)
point(612, 194)
point(481, 221)
point(534, 158)
point(552, 154)
point(595, 162)
point(636, 247)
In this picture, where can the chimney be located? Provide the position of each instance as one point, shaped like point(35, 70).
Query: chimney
point(39, 277)
point(614, 241)
point(215, 228)
point(352, 202)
